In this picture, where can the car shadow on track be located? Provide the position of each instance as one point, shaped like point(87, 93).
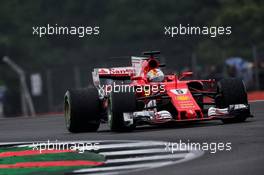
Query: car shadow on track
point(182, 125)
point(149, 128)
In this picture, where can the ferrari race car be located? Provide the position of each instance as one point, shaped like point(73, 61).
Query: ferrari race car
point(141, 94)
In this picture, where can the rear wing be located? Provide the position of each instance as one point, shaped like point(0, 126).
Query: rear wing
point(118, 72)
point(112, 73)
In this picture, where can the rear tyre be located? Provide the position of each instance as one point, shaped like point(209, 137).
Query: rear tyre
point(82, 110)
point(231, 91)
point(118, 103)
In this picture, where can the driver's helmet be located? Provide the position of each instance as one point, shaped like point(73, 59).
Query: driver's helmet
point(155, 75)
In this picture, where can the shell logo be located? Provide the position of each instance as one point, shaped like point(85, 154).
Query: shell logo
point(182, 98)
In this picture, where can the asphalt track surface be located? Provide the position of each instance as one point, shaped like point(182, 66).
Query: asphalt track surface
point(246, 156)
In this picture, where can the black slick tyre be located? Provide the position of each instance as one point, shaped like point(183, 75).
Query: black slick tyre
point(231, 91)
point(82, 110)
point(118, 103)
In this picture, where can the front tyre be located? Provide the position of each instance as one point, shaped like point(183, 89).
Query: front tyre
point(232, 91)
point(118, 104)
point(82, 110)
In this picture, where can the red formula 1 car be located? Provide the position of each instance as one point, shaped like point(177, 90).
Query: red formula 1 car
point(141, 94)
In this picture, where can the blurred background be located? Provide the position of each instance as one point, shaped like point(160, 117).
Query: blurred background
point(53, 64)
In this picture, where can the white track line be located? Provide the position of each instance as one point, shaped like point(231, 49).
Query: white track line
point(103, 146)
point(147, 158)
point(123, 167)
point(131, 145)
point(139, 166)
point(137, 151)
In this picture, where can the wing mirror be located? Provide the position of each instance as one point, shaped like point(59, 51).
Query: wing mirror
point(185, 74)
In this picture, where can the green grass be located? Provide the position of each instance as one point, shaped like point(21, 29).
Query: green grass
point(89, 156)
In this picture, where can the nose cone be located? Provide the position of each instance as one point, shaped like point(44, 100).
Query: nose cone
point(190, 113)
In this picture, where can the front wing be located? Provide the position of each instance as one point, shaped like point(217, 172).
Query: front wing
point(157, 117)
